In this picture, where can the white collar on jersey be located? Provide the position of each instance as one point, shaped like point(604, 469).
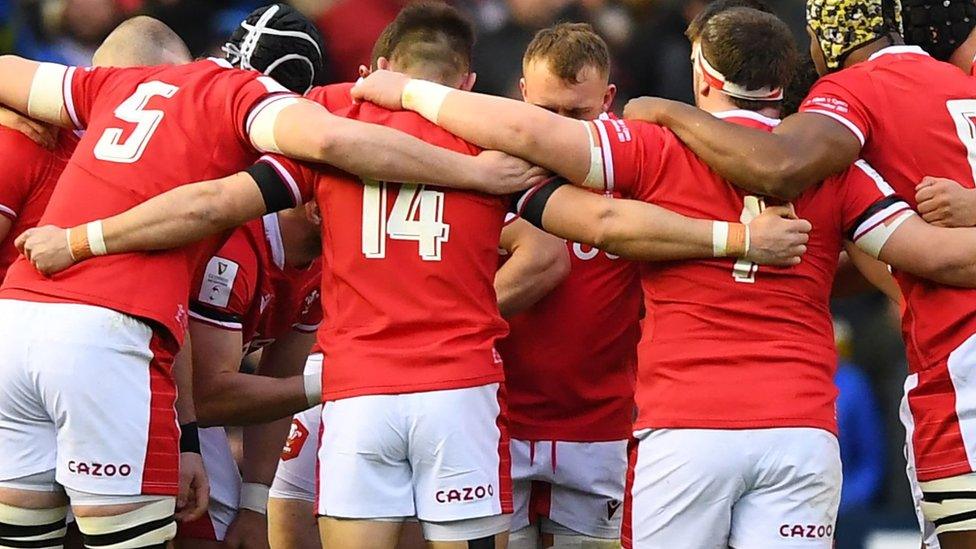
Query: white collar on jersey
point(272, 231)
point(222, 62)
point(751, 115)
point(897, 49)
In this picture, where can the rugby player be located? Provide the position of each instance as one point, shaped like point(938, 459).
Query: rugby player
point(259, 292)
point(570, 388)
point(114, 445)
point(909, 115)
point(35, 157)
point(673, 355)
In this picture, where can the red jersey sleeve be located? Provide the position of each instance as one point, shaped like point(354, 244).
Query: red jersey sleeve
point(867, 200)
point(295, 177)
point(82, 87)
point(21, 170)
point(249, 95)
point(226, 288)
point(625, 155)
point(841, 101)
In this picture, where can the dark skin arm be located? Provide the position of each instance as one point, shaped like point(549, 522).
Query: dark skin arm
point(805, 149)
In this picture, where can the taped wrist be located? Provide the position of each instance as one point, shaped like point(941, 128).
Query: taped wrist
point(254, 497)
point(730, 239)
point(274, 189)
point(189, 438)
point(532, 203)
point(425, 98)
point(85, 241)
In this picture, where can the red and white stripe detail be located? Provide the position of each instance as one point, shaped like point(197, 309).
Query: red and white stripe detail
point(234, 326)
point(847, 123)
point(161, 469)
point(939, 414)
point(8, 212)
point(286, 176)
point(879, 218)
point(505, 488)
point(627, 526)
point(69, 100)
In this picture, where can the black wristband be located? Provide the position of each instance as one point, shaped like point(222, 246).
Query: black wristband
point(274, 189)
point(189, 438)
point(533, 202)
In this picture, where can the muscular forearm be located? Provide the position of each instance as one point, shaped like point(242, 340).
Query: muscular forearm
point(630, 229)
point(268, 398)
point(523, 280)
point(184, 215)
point(946, 256)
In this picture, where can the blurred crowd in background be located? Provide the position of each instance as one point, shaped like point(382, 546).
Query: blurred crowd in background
point(651, 55)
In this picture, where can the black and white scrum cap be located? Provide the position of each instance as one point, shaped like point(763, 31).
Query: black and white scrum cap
point(279, 41)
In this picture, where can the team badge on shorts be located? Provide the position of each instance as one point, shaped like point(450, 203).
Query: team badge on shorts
point(296, 441)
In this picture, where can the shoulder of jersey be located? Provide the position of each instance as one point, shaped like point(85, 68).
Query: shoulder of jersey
point(333, 97)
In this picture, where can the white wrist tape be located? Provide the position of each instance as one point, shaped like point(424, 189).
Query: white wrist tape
point(46, 97)
point(313, 385)
point(254, 497)
point(425, 98)
point(96, 240)
point(748, 242)
point(720, 238)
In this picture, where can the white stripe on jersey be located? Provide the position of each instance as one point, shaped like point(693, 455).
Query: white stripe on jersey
point(236, 326)
point(878, 218)
point(607, 154)
point(286, 175)
point(869, 170)
point(9, 212)
point(847, 123)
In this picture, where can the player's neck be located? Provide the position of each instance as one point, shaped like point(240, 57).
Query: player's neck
point(721, 103)
point(865, 52)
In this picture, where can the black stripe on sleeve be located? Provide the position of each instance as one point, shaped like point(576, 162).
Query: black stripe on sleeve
point(533, 201)
point(274, 189)
point(875, 208)
point(216, 315)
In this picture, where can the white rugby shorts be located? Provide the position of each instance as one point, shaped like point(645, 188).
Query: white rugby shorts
point(86, 392)
point(442, 456)
point(569, 487)
point(748, 489)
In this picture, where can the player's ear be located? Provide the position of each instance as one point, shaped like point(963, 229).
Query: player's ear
point(469, 80)
point(608, 97)
point(522, 88)
point(383, 64)
point(312, 213)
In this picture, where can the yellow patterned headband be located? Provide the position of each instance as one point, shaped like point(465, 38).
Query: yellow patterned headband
point(842, 26)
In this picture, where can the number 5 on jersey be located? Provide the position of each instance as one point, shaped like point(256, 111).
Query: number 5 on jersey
point(417, 214)
point(110, 146)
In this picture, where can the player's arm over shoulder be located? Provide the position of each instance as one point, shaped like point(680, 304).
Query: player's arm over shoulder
point(884, 226)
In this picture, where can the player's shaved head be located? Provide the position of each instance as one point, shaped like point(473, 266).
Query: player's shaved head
point(430, 40)
point(140, 41)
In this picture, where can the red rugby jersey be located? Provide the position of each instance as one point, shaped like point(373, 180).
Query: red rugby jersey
point(408, 274)
point(570, 358)
point(727, 344)
point(247, 287)
point(26, 183)
point(914, 116)
point(144, 135)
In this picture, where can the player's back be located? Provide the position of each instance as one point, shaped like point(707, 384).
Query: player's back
point(916, 117)
point(408, 278)
point(754, 342)
point(148, 130)
point(27, 183)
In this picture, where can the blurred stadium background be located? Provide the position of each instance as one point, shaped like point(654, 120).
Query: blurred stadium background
point(650, 58)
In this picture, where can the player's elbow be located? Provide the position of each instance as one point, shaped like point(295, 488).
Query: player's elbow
point(608, 227)
point(782, 177)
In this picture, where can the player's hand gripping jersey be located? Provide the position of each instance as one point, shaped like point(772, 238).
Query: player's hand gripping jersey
point(916, 116)
point(30, 173)
point(148, 130)
point(408, 272)
point(247, 287)
point(754, 342)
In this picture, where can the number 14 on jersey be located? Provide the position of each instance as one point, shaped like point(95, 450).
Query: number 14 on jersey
point(417, 214)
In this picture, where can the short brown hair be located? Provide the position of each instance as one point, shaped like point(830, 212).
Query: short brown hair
point(569, 48)
point(751, 48)
point(429, 33)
